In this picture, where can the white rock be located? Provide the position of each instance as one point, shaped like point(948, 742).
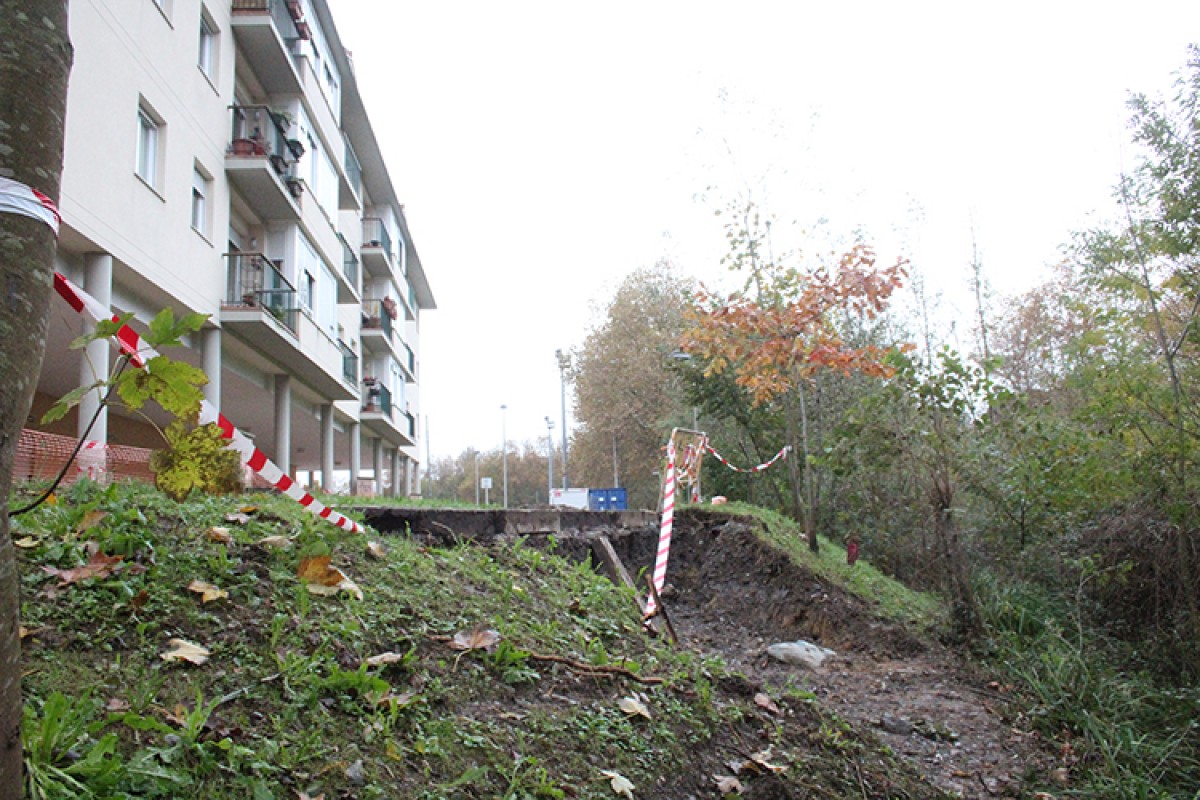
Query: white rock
point(801, 653)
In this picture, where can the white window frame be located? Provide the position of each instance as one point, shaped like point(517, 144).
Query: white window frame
point(207, 57)
point(201, 201)
point(149, 155)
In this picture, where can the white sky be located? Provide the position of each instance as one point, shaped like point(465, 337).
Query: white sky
point(544, 150)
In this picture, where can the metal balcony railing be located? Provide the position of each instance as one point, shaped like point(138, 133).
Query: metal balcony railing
point(349, 363)
point(375, 316)
point(375, 234)
point(410, 359)
point(281, 15)
point(376, 397)
point(261, 131)
point(349, 262)
point(353, 168)
point(256, 282)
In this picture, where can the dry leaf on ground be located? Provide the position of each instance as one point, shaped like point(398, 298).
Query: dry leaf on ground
point(183, 650)
point(478, 639)
point(376, 550)
point(384, 658)
point(323, 579)
point(90, 520)
point(633, 707)
point(218, 534)
point(238, 518)
point(278, 542)
point(727, 784)
point(620, 784)
point(763, 700)
point(207, 591)
point(98, 566)
point(25, 542)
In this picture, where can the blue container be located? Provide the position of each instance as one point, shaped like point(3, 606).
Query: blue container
point(608, 500)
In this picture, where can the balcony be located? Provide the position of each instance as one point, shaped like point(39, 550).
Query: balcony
point(382, 418)
point(255, 283)
point(349, 364)
point(260, 162)
point(350, 185)
point(266, 33)
point(377, 253)
point(349, 264)
point(377, 324)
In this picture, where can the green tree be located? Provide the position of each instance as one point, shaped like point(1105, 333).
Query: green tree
point(627, 398)
point(783, 329)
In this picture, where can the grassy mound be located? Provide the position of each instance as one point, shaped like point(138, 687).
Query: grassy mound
point(459, 672)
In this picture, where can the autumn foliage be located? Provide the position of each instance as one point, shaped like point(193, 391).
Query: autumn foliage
point(790, 330)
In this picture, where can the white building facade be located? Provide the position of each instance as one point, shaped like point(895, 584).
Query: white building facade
point(219, 160)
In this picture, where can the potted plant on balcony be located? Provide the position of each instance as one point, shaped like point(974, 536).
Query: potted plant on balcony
point(295, 10)
point(296, 147)
point(295, 187)
point(279, 163)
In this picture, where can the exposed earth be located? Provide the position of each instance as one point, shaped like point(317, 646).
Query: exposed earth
point(732, 595)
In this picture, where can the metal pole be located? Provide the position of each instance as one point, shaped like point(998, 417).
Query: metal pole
point(476, 475)
point(564, 363)
point(549, 458)
point(504, 452)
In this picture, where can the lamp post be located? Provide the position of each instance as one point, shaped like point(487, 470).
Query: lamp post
point(564, 364)
point(549, 458)
point(504, 452)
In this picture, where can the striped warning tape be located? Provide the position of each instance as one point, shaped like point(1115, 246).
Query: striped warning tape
point(759, 468)
point(140, 353)
point(664, 533)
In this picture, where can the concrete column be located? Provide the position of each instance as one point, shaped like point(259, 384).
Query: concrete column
point(327, 447)
point(93, 363)
point(283, 422)
point(397, 484)
point(377, 465)
point(353, 430)
point(210, 361)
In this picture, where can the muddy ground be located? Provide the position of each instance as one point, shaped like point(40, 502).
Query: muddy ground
point(732, 595)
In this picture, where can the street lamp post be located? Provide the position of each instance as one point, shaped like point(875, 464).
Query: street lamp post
point(504, 452)
point(564, 364)
point(549, 458)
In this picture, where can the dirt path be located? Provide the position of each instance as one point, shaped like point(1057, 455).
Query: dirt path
point(734, 596)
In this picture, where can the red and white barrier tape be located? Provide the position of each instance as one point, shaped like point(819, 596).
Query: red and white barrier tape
point(140, 353)
point(17, 198)
point(759, 468)
point(664, 533)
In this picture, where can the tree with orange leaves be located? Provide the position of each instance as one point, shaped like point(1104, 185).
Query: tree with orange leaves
point(781, 329)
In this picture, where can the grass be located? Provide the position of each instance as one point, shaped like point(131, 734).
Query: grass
point(287, 705)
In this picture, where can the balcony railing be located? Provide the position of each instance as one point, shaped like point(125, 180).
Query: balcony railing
point(353, 169)
point(375, 316)
point(375, 234)
point(349, 262)
point(281, 12)
point(255, 282)
point(376, 397)
point(410, 359)
point(261, 131)
point(349, 363)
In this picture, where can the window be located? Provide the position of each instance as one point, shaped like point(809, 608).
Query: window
point(208, 45)
point(201, 189)
point(149, 145)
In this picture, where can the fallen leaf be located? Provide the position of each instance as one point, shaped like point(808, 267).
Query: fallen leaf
point(278, 542)
point(116, 705)
point(478, 639)
point(384, 658)
point(727, 784)
point(25, 633)
point(248, 509)
point(25, 542)
point(183, 650)
point(139, 600)
point(98, 566)
point(376, 550)
point(306, 796)
point(763, 759)
point(323, 579)
point(620, 784)
point(207, 591)
point(90, 520)
point(763, 700)
point(219, 534)
point(238, 518)
point(633, 707)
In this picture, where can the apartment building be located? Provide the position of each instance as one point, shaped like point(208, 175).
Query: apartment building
point(219, 160)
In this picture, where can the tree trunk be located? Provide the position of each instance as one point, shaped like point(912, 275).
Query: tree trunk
point(35, 60)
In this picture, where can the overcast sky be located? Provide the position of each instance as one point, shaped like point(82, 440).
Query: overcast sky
point(544, 150)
